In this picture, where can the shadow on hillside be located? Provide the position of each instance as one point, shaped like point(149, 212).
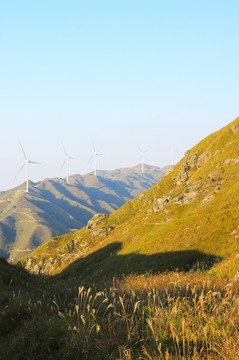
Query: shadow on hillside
point(112, 193)
point(106, 263)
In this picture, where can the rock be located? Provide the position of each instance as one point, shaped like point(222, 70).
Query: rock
point(29, 263)
point(236, 277)
point(37, 269)
point(183, 175)
point(179, 200)
point(187, 198)
point(214, 175)
point(206, 199)
point(96, 220)
point(235, 128)
point(50, 264)
point(217, 188)
point(203, 159)
point(162, 202)
point(192, 161)
point(99, 232)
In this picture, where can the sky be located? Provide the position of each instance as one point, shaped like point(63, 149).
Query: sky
point(119, 74)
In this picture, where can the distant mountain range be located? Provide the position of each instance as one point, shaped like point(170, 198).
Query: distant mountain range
point(52, 207)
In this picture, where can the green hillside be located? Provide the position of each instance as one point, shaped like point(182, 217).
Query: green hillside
point(53, 207)
point(157, 279)
point(188, 220)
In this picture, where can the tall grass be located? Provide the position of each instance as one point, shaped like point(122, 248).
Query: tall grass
point(170, 316)
point(190, 318)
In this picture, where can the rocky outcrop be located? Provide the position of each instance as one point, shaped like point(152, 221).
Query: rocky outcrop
point(191, 161)
point(96, 220)
point(189, 194)
point(98, 225)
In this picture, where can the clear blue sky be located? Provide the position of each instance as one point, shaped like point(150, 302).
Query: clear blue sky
point(154, 73)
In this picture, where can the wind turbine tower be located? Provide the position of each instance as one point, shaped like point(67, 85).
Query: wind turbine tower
point(67, 158)
point(26, 163)
point(99, 154)
point(95, 154)
point(142, 158)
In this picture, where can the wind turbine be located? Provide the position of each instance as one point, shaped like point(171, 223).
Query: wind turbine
point(67, 158)
point(95, 154)
point(142, 158)
point(99, 155)
point(26, 163)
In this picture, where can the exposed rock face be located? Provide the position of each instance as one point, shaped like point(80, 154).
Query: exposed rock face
point(96, 220)
point(29, 263)
point(206, 199)
point(203, 159)
point(235, 129)
point(191, 162)
point(189, 193)
point(182, 176)
point(186, 198)
point(98, 225)
point(160, 204)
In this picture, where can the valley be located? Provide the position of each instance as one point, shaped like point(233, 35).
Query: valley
point(156, 279)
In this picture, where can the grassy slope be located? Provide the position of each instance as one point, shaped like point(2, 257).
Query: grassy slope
point(174, 236)
point(53, 208)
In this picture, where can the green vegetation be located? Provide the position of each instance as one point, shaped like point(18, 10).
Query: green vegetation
point(190, 216)
point(157, 279)
point(53, 207)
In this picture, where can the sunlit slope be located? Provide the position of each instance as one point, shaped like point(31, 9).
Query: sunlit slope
point(190, 216)
point(53, 207)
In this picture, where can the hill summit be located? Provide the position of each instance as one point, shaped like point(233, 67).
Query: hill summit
point(189, 219)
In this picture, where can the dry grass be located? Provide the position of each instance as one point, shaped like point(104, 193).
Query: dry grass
point(181, 317)
point(169, 316)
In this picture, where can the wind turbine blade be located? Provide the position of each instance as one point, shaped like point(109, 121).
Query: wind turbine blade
point(91, 158)
point(139, 148)
point(62, 165)
point(64, 149)
point(33, 162)
point(93, 145)
point(19, 170)
point(71, 157)
point(23, 150)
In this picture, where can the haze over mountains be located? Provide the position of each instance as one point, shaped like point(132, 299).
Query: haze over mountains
point(189, 219)
point(53, 207)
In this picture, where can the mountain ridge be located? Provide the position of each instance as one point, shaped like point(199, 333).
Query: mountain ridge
point(52, 207)
point(195, 207)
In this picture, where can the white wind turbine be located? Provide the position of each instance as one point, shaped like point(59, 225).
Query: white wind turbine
point(66, 161)
point(99, 155)
point(142, 158)
point(26, 163)
point(95, 155)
